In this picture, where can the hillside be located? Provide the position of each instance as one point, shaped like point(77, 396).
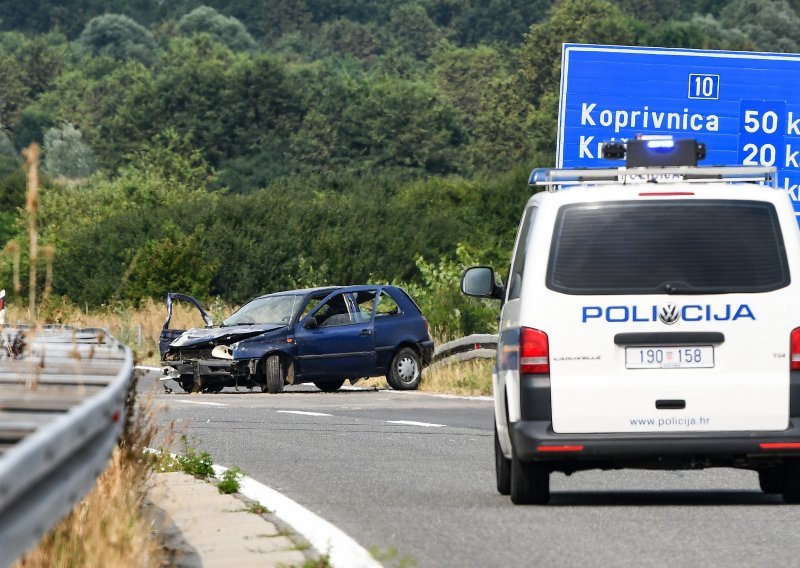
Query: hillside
point(231, 148)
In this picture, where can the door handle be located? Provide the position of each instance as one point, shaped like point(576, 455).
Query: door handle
point(366, 332)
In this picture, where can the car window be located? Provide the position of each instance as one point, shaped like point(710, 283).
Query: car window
point(518, 264)
point(364, 302)
point(672, 246)
point(313, 302)
point(387, 307)
point(333, 313)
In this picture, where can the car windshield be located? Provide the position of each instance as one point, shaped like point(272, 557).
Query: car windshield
point(269, 309)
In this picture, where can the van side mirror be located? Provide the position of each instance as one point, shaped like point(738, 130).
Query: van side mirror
point(310, 323)
point(480, 281)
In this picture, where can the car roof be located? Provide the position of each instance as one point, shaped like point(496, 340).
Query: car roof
point(301, 291)
point(328, 289)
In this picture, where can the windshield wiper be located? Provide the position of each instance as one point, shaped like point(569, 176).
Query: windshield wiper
point(683, 288)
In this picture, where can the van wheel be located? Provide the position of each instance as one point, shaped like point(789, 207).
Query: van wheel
point(791, 481)
point(274, 375)
point(502, 467)
point(530, 482)
point(329, 386)
point(771, 480)
point(405, 371)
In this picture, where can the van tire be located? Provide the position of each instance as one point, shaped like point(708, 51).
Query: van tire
point(502, 467)
point(791, 481)
point(771, 480)
point(273, 374)
point(530, 482)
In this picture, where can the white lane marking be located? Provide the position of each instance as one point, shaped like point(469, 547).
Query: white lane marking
point(412, 423)
point(439, 395)
point(303, 413)
point(324, 537)
point(200, 402)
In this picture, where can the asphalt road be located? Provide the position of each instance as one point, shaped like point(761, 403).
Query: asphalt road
point(425, 493)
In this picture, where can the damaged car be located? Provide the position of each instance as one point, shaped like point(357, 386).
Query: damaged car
point(324, 336)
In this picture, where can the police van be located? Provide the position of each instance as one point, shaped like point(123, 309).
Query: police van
point(650, 319)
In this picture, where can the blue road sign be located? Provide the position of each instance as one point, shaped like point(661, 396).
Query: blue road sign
point(744, 106)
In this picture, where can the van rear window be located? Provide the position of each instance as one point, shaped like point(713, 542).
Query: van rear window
point(675, 246)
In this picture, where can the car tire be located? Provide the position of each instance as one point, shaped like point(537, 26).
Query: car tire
point(530, 482)
point(405, 370)
point(186, 382)
point(791, 481)
point(329, 386)
point(273, 372)
point(771, 480)
point(502, 467)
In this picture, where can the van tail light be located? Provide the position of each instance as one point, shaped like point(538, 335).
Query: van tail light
point(534, 352)
point(794, 363)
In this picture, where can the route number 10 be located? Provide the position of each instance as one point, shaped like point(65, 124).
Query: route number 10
point(703, 86)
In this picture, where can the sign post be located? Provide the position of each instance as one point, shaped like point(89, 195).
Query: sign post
point(744, 106)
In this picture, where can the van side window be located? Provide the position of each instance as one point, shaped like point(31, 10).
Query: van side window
point(518, 263)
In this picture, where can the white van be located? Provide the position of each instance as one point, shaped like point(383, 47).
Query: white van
point(650, 319)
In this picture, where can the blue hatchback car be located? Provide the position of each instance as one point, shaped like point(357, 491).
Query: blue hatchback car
point(319, 335)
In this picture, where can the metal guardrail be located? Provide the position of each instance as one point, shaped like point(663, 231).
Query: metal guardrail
point(478, 346)
point(62, 409)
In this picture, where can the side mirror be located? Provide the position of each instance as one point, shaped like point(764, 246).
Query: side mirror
point(310, 323)
point(479, 281)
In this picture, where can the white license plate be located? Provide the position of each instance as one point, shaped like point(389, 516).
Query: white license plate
point(677, 357)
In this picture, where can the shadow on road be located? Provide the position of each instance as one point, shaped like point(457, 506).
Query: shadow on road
point(662, 498)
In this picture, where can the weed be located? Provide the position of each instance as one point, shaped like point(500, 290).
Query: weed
point(198, 464)
point(110, 526)
point(473, 377)
point(391, 554)
point(257, 508)
point(230, 481)
point(324, 561)
point(302, 546)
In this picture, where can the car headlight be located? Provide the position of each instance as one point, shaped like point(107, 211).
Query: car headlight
point(222, 352)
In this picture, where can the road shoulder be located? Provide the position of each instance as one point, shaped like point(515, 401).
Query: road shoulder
point(217, 529)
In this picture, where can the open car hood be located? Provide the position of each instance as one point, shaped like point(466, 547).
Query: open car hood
point(222, 335)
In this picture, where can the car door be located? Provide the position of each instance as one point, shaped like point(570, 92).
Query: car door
point(169, 335)
point(341, 342)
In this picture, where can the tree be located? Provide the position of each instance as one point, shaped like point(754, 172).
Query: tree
point(772, 25)
point(571, 21)
point(118, 36)
point(65, 153)
point(413, 31)
point(13, 91)
point(701, 32)
point(343, 37)
point(224, 29)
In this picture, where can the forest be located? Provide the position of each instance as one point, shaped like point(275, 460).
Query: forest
point(228, 149)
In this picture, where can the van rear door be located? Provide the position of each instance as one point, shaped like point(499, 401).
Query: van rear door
point(668, 315)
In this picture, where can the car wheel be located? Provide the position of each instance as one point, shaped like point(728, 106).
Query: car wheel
point(273, 372)
point(530, 482)
point(771, 480)
point(405, 371)
point(329, 386)
point(186, 382)
point(791, 481)
point(502, 467)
